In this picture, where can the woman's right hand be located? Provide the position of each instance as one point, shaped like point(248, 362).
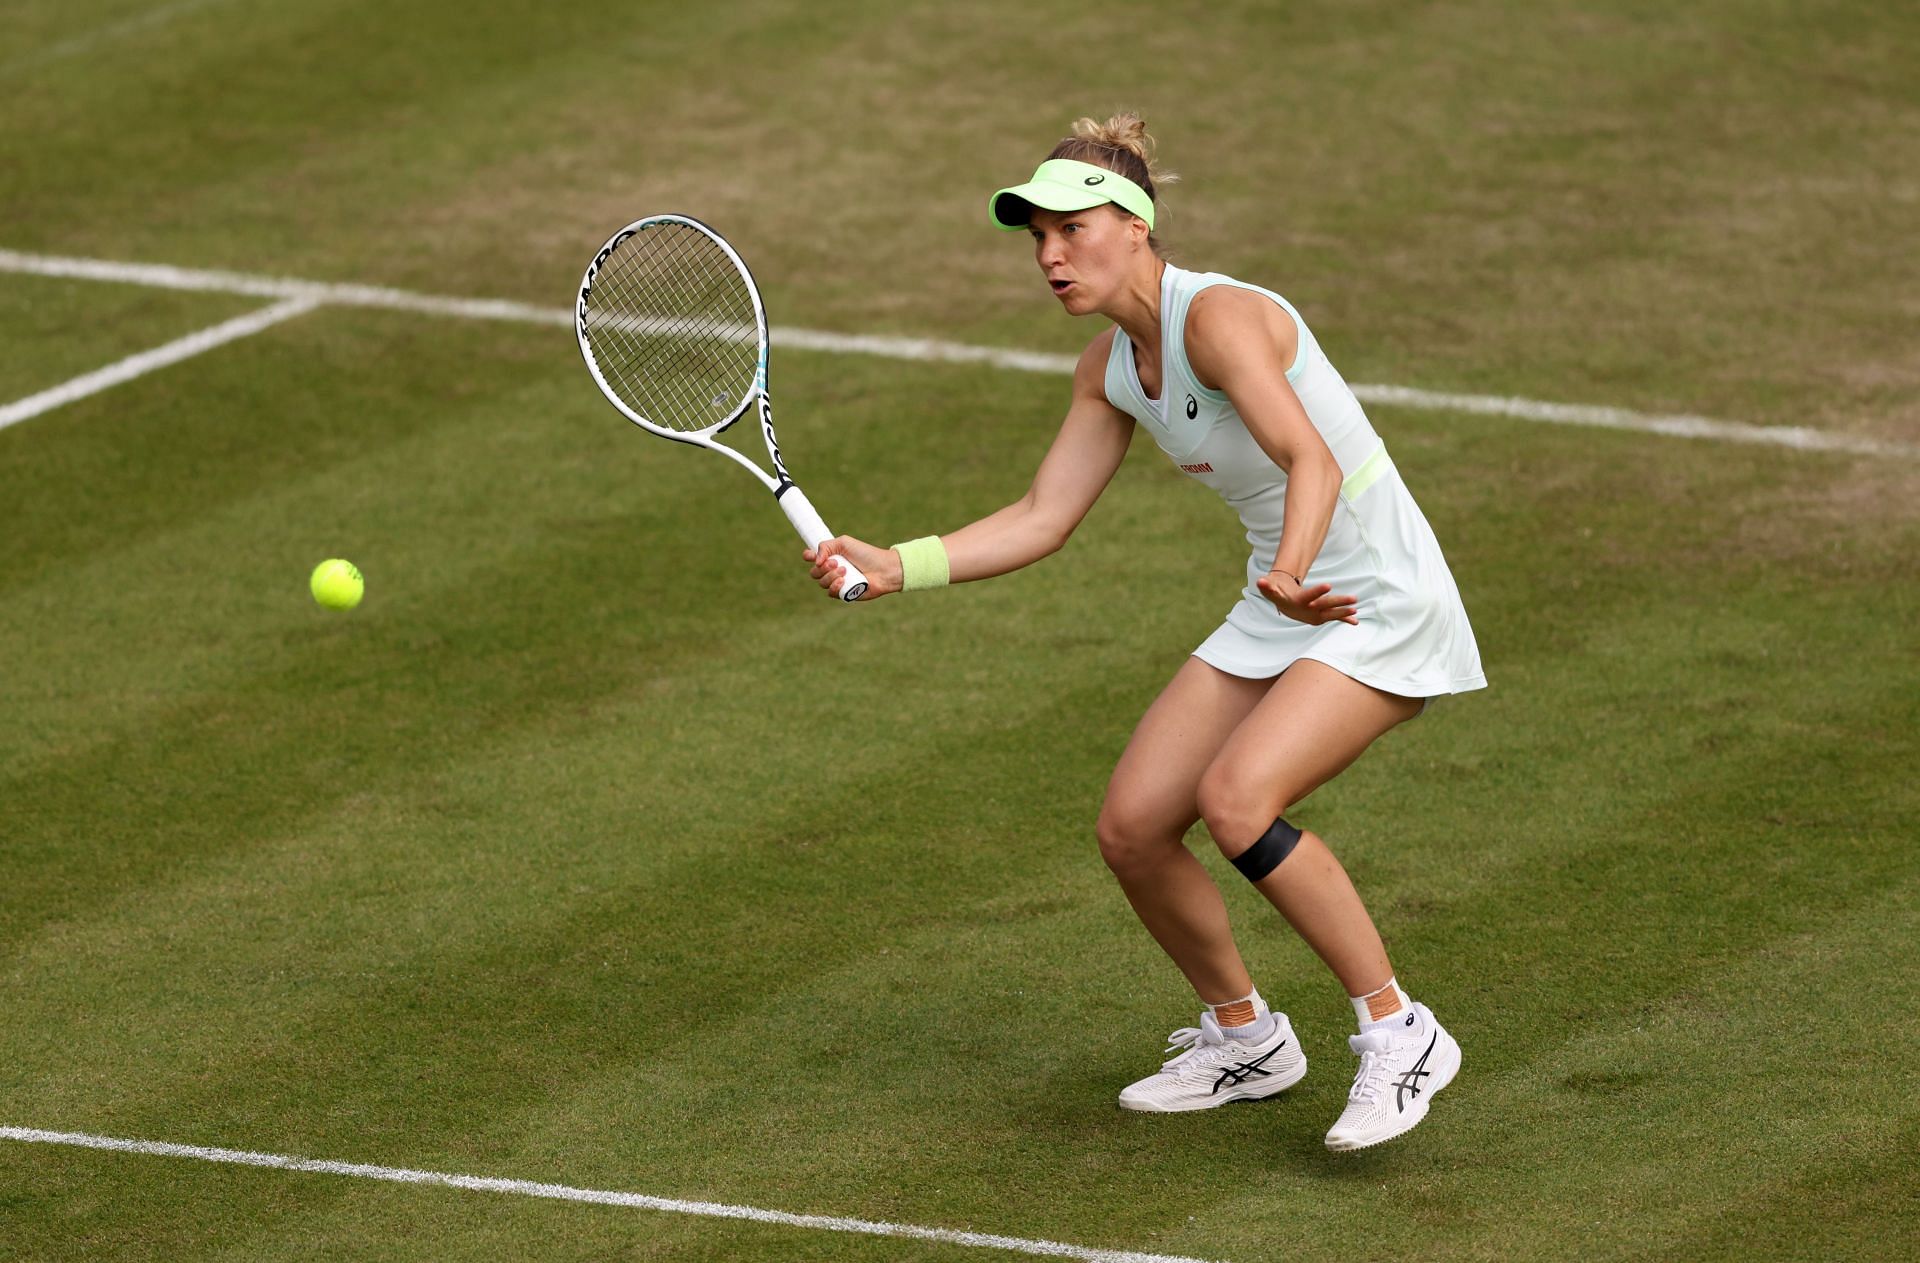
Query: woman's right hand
point(1310, 605)
point(880, 565)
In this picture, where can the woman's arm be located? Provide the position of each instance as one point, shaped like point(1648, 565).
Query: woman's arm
point(1243, 343)
point(1077, 468)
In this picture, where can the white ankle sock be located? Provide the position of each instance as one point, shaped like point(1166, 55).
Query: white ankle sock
point(1260, 1028)
point(1389, 1007)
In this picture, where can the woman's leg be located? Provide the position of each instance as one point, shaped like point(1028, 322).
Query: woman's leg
point(1312, 723)
point(1151, 803)
point(1309, 726)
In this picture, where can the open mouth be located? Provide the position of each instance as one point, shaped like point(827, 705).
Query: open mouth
point(1060, 287)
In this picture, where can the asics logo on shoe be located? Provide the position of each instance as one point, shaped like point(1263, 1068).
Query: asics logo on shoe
point(1409, 1081)
point(1409, 1020)
point(1232, 1076)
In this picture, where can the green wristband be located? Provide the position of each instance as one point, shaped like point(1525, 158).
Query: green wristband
point(923, 564)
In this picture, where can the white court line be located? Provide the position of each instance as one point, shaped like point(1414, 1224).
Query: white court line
point(603, 1197)
point(159, 357)
point(104, 35)
point(931, 349)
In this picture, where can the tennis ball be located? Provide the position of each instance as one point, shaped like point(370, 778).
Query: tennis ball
point(337, 584)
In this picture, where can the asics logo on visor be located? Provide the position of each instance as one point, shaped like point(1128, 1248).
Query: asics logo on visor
point(1094, 179)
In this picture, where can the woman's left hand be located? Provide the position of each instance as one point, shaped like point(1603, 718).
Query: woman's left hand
point(1311, 605)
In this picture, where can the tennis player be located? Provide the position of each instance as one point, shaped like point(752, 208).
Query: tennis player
point(1349, 620)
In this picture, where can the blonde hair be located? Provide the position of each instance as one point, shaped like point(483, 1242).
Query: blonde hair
point(1121, 144)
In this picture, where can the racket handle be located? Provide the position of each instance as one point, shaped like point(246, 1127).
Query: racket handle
point(806, 520)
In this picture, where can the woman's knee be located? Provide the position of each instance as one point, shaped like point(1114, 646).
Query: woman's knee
point(1131, 839)
point(1238, 809)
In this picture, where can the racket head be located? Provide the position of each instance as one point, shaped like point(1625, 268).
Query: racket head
point(672, 327)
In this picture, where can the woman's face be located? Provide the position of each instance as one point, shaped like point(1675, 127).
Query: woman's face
point(1086, 255)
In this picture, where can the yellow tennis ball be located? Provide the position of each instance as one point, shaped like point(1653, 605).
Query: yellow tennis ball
point(337, 584)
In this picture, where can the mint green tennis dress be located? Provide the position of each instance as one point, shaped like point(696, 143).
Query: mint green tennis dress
point(1413, 637)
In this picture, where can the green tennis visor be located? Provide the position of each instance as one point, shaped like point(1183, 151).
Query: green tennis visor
point(1061, 184)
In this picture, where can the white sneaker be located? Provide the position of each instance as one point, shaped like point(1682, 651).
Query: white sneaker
point(1213, 1069)
point(1400, 1070)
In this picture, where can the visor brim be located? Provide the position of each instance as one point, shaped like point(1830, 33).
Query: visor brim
point(1012, 209)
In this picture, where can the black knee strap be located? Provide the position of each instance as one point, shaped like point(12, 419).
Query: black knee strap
point(1265, 855)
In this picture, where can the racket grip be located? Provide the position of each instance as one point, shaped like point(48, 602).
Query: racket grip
point(806, 520)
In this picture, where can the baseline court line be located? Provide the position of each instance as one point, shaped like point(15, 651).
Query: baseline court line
point(603, 1197)
point(159, 357)
point(164, 276)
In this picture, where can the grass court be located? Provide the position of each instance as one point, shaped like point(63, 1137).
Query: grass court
point(596, 848)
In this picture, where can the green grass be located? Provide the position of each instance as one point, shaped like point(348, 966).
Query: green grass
point(56, 330)
point(595, 848)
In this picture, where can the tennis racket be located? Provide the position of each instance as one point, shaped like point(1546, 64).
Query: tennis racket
point(675, 335)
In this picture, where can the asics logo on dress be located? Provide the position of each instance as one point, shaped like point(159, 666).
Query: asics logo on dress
point(1233, 1075)
point(1410, 1077)
point(1193, 408)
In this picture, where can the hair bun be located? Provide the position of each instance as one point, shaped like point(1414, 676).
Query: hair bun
point(1123, 133)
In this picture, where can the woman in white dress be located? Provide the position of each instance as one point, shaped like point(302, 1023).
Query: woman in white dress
point(1349, 620)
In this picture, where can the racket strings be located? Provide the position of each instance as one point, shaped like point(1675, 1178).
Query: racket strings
point(674, 329)
point(674, 295)
point(672, 341)
point(658, 293)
